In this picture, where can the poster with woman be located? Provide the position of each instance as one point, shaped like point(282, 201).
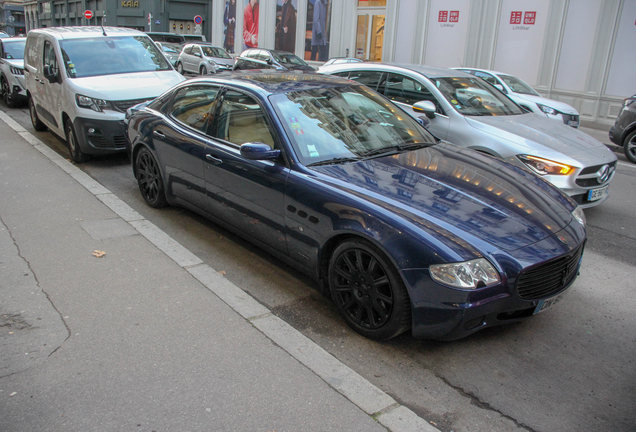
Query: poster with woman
point(318, 29)
point(229, 25)
point(286, 25)
point(250, 24)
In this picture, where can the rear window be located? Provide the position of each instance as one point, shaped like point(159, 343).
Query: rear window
point(111, 55)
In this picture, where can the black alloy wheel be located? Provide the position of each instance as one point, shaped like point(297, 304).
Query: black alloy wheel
point(77, 155)
point(629, 147)
point(149, 179)
point(368, 291)
point(6, 94)
point(35, 120)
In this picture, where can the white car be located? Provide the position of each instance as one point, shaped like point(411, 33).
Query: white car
point(81, 80)
point(204, 58)
point(527, 97)
point(12, 71)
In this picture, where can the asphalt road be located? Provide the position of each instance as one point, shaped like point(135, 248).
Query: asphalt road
point(572, 368)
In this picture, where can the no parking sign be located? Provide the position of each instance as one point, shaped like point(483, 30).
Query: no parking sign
point(198, 20)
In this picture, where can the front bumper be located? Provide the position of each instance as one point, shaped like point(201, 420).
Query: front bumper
point(100, 136)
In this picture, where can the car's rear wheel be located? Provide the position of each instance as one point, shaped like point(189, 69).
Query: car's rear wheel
point(368, 291)
point(7, 95)
point(77, 155)
point(149, 179)
point(203, 70)
point(629, 146)
point(180, 68)
point(35, 120)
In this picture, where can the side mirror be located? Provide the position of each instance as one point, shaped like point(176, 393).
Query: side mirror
point(270, 61)
point(500, 88)
point(258, 151)
point(426, 107)
point(197, 54)
point(49, 74)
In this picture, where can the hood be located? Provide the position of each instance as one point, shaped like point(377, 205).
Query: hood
point(222, 61)
point(539, 134)
point(140, 85)
point(305, 68)
point(19, 63)
point(559, 106)
point(445, 189)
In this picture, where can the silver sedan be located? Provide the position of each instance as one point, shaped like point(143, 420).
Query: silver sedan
point(468, 112)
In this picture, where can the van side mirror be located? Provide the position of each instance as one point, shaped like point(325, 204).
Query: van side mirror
point(426, 107)
point(49, 74)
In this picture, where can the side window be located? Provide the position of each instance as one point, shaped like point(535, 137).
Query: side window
point(49, 57)
point(192, 106)
point(252, 54)
point(188, 50)
point(487, 77)
point(241, 120)
point(263, 55)
point(342, 74)
point(369, 79)
point(406, 90)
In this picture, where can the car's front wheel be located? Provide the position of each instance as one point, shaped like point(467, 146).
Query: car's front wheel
point(149, 179)
point(368, 291)
point(6, 94)
point(77, 155)
point(35, 120)
point(629, 146)
point(203, 70)
point(180, 68)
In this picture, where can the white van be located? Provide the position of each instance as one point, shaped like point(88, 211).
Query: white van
point(81, 80)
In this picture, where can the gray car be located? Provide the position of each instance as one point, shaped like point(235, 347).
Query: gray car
point(203, 59)
point(468, 112)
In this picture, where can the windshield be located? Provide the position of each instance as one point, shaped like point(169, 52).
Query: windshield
point(475, 97)
point(215, 52)
point(14, 50)
point(111, 55)
point(518, 86)
point(345, 122)
point(288, 58)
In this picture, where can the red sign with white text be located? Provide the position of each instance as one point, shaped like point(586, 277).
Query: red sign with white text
point(529, 18)
point(454, 16)
point(515, 17)
point(443, 16)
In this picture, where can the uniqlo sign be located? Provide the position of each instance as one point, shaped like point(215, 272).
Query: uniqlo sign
point(515, 17)
point(454, 16)
point(529, 17)
point(443, 16)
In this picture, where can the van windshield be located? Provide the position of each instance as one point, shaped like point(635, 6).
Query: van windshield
point(111, 55)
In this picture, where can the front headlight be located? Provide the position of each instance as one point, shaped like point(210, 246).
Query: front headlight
point(87, 102)
point(548, 110)
point(579, 215)
point(473, 274)
point(545, 166)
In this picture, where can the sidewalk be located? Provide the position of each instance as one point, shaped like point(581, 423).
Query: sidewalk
point(146, 337)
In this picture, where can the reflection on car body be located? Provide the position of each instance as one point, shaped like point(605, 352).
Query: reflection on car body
point(404, 232)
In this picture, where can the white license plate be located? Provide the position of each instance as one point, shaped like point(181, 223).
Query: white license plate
point(573, 123)
point(548, 303)
point(596, 194)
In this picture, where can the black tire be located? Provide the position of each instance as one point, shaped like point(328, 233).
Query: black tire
point(77, 155)
point(368, 291)
point(35, 120)
point(629, 147)
point(203, 70)
point(180, 68)
point(7, 95)
point(149, 179)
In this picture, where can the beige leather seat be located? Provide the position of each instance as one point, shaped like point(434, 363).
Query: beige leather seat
point(248, 125)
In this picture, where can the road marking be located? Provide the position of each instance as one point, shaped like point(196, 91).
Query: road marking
point(627, 165)
point(344, 380)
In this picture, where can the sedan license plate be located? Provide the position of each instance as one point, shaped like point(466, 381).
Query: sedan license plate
point(573, 123)
point(596, 194)
point(547, 303)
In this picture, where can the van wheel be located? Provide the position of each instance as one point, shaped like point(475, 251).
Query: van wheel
point(35, 120)
point(6, 93)
point(180, 68)
point(204, 70)
point(77, 155)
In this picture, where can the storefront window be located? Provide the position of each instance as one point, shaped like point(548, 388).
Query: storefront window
point(286, 25)
point(367, 3)
point(318, 30)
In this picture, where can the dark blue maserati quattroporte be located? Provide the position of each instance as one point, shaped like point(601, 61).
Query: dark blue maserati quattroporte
point(404, 232)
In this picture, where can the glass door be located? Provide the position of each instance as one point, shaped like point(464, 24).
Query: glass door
point(370, 36)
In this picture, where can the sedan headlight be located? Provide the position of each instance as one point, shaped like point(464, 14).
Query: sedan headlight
point(545, 166)
point(473, 274)
point(95, 104)
point(548, 110)
point(579, 215)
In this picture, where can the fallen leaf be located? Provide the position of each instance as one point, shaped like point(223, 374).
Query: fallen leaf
point(99, 253)
point(13, 394)
point(222, 272)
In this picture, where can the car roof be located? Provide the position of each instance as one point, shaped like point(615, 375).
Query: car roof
point(427, 71)
point(86, 31)
point(484, 70)
point(268, 81)
point(13, 39)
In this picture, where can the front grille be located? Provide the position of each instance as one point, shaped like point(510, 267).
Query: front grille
point(594, 180)
point(123, 105)
point(549, 278)
point(118, 141)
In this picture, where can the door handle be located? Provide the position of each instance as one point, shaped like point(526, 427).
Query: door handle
point(213, 159)
point(158, 134)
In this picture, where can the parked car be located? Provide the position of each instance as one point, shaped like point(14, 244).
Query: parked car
point(12, 71)
point(623, 132)
point(468, 112)
point(189, 38)
point(81, 80)
point(527, 97)
point(4, 35)
point(339, 60)
point(171, 51)
point(167, 37)
point(403, 231)
point(279, 60)
point(203, 58)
